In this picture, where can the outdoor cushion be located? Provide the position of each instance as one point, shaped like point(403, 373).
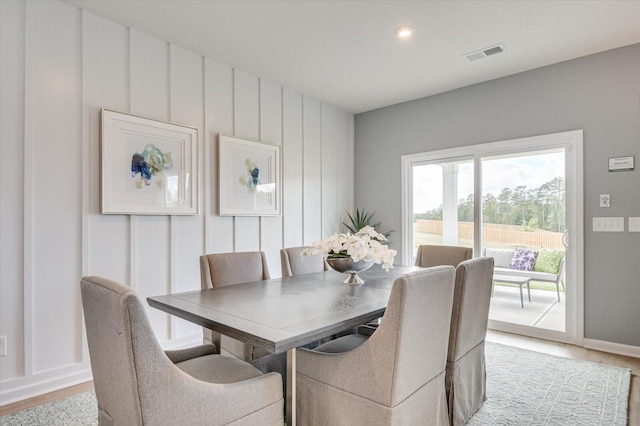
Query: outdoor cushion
point(548, 260)
point(501, 257)
point(523, 259)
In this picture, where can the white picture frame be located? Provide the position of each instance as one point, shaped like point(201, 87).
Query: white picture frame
point(149, 167)
point(249, 177)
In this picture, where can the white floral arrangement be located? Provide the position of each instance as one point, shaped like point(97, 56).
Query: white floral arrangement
point(366, 244)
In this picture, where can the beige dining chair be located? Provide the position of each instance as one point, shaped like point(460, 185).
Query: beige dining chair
point(137, 383)
point(434, 255)
point(428, 256)
point(223, 269)
point(294, 263)
point(466, 374)
point(391, 377)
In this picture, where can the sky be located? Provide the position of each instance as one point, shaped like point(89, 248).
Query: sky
point(498, 173)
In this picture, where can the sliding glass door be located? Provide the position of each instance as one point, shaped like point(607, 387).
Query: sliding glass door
point(518, 201)
point(524, 211)
point(442, 202)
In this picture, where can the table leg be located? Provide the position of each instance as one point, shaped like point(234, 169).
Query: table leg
point(521, 299)
point(290, 397)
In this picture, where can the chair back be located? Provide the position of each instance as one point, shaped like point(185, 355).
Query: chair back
point(294, 263)
point(432, 255)
point(122, 348)
point(411, 341)
point(471, 301)
point(222, 269)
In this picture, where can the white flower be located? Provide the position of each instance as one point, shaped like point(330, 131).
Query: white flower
point(365, 245)
point(371, 233)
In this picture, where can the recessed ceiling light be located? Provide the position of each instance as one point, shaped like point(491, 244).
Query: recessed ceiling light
point(404, 32)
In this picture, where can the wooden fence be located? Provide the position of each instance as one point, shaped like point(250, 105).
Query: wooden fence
point(499, 234)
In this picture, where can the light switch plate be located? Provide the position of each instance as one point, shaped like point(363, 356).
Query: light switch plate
point(608, 224)
point(634, 224)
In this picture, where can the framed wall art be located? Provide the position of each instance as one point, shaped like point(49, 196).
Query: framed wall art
point(149, 167)
point(249, 177)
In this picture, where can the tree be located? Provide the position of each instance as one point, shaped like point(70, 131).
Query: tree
point(519, 202)
point(538, 208)
point(505, 206)
point(489, 208)
point(465, 209)
point(552, 195)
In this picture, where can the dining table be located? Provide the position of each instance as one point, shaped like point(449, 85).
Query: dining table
point(282, 314)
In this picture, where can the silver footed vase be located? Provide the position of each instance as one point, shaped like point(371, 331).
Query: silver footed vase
point(346, 265)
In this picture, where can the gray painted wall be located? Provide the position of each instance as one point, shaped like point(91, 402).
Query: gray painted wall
point(598, 93)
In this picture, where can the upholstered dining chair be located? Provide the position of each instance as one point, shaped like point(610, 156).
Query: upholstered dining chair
point(466, 374)
point(137, 383)
point(223, 269)
point(392, 377)
point(433, 255)
point(294, 263)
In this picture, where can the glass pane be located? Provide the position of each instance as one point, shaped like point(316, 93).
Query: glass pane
point(523, 207)
point(443, 204)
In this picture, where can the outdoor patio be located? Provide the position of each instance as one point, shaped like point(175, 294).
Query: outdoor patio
point(544, 310)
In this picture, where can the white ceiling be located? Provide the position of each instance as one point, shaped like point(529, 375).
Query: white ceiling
point(345, 52)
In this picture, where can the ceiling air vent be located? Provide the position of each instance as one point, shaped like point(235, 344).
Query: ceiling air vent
point(481, 54)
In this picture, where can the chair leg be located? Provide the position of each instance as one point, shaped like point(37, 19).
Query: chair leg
point(529, 291)
point(558, 290)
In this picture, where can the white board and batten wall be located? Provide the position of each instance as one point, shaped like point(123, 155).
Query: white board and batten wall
point(60, 66)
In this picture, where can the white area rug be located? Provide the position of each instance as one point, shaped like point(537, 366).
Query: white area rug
point(76, 410)
point(524, 388)
point(530, 388)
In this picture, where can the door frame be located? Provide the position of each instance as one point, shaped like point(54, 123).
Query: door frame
point(572, 142)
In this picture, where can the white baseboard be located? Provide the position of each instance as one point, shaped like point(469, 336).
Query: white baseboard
point(614, 348)
point(22, 388)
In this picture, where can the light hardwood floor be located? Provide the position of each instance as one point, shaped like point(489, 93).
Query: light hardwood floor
point(545, 346)
point(43, 399)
